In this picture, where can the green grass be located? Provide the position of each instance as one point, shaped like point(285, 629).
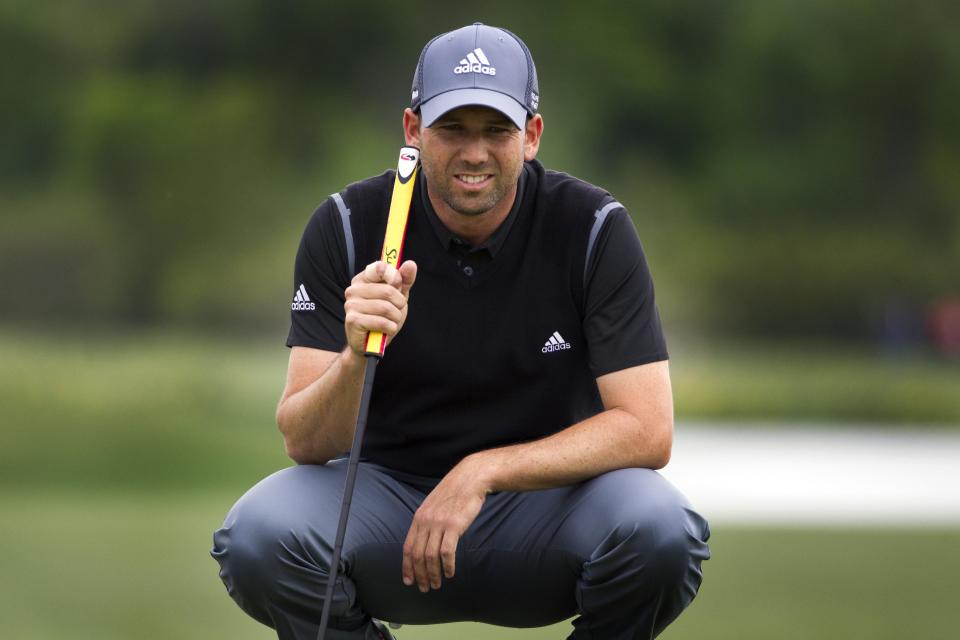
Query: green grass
point(817, 382)
point(138, 411)
point(119, 455)
point(104, 565)
point(163, 411)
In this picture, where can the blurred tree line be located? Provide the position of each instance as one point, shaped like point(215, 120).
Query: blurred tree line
point(793, 166)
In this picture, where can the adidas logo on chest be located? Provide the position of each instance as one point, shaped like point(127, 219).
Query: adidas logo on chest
point(475, 62)
point(555, 343)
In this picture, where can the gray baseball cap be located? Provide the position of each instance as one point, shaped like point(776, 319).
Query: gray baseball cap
point(476, 65)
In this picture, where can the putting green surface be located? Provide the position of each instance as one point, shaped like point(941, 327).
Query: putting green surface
point(104, 565)
point(120, 455)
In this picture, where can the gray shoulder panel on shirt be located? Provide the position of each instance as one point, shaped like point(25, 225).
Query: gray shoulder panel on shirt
point(599, 217)
point(347, 231)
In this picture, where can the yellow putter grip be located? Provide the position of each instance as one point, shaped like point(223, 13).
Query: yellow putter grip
point(396, 227)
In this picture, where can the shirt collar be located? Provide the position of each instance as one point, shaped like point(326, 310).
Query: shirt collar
point(449, 240)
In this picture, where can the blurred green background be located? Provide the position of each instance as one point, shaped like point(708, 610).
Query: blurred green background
point(793, 169)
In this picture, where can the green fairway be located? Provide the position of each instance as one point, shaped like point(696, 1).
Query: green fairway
point(144, 411)
point(815, 382)
point(110, 565)
point(162, 411)
point(120, 455)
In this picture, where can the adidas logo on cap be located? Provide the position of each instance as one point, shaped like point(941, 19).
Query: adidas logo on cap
point(301, 301)
point(555, 343)
point(475, 62)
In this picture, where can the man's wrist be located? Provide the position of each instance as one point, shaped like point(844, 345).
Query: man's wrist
point(351, 360)
point(485, 468)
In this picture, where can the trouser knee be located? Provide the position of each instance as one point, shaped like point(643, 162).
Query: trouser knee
point(651, 554)
point(673, 550)
point(274, 547)
point(247, 551)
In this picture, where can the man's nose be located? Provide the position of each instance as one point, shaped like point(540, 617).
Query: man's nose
point(474, 150)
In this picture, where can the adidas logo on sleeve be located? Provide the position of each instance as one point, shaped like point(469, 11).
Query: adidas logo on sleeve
point(555, 343)
point(301, 301)
point(475, 62)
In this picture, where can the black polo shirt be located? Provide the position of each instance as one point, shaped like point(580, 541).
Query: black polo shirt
point(503, 342)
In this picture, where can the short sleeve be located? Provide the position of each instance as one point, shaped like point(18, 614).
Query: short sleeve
point(320, 279)
point(621, 321)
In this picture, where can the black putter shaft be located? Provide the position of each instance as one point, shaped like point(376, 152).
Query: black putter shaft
point(370, 370)
point(376, 344)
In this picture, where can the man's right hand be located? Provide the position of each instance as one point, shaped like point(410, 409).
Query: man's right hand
point(376, 300)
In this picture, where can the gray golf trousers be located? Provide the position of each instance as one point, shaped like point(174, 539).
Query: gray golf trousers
point(622, 550)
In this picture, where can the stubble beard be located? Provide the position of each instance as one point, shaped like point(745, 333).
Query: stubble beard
point(473, 204)
point(470, 204)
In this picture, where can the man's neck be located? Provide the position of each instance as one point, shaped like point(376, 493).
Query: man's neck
point(475, 229)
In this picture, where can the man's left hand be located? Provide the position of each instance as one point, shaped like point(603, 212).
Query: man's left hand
point(439, 523)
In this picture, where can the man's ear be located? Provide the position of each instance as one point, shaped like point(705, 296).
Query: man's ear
point(411, 127)
point(532, 133)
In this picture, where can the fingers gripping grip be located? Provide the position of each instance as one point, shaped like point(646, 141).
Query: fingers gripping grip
point(407, 167)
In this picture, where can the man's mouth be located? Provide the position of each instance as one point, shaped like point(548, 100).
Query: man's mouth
point(473, 179)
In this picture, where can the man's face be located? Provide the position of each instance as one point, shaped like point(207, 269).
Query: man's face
point(472, 157)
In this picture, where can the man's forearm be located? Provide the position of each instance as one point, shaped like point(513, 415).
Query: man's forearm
point(635, 430)
point(613, 439)
point(318, 421)
point(318, 412)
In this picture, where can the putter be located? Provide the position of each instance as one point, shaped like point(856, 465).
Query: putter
point(375, 346)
